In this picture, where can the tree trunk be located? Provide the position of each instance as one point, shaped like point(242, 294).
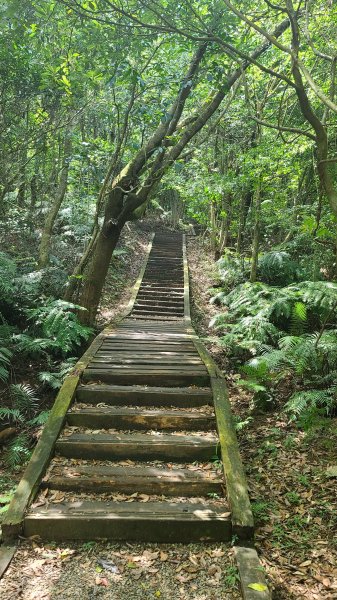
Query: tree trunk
point(227, 205)
point(44, 249)
point(99, 265)
point(256, 234)
point(246, 201)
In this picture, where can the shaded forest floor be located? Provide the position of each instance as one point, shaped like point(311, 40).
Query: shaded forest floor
point(294, 502)
point(292, 498)
point(113, 571)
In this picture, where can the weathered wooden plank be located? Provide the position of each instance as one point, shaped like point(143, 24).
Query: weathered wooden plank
point(164, 301)
point(165, 378)
point(211, 366)
point(147, 396)
point(146, 348)
point(127, 480)
point(251, 572)
point(149, 361)
point(137, 446)
point(6, 554)
point(155, 316)
point(149, 522)
point(236, 484)
point(135, 418)
point(155, 308)
point(150, 369)
point(145, 353)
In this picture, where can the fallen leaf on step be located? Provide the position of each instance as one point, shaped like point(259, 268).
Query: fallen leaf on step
point(101, 581)
point(185, 578)
point(107, 565)
point(144, 497)
point(217, 553)
point(258, 587)
point(150, 555)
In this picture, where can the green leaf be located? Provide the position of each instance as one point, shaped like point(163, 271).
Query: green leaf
point(258, 587)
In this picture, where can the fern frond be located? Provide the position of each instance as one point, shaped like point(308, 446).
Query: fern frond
point(306, 400)
point(40, 419)
point(218, 321)
point(5, 357)
point(17, 451)
point(60, 324)
point(24, 398)
point(298, 318)
point(33, 346)
point(10, 414)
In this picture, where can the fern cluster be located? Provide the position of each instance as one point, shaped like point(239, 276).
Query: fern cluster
point(284, 334)
point(56, 329)
point(55, 378)
point(23, 413)
point(49, 332)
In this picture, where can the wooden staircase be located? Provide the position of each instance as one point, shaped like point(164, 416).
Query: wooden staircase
point(138, 456)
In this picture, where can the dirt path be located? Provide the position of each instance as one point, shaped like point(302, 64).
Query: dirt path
point(144, 571)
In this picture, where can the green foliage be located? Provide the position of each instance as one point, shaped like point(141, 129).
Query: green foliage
point(7, 273)
point(17, 451)
point(232, 270)
point(59, 325)
point(54, 379)
point(277, 268)
point(24, 413)
point(5, 358)
point(24, 399)
point(289, 334)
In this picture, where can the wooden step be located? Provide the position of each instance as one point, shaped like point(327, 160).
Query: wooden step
point(145, 347)
point(147, 522)
point(166, 361)
point(136, 446)
point(146, 396)
point(159, 287)
point(145, 354)
point(135, 418)
point(128, 480)
point(160, 300)
point(148, 376)
point(158, 310)
point(154, 313)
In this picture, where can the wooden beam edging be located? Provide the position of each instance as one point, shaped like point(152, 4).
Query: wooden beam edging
point(40, 459)
point(252, 578)
point(138, 283)
point(6, 554)
point(187, 308)
point(236, 483)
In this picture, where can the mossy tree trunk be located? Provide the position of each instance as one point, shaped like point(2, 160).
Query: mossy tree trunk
point(44, 249)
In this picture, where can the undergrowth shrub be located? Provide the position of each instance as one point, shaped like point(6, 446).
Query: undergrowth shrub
point(55, 378)
point(54, 327)
point(232, 270)
point(284, 335)
point(278, 268)
point(23, 413)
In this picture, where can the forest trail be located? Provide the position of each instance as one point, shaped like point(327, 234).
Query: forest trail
point(138, 455)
